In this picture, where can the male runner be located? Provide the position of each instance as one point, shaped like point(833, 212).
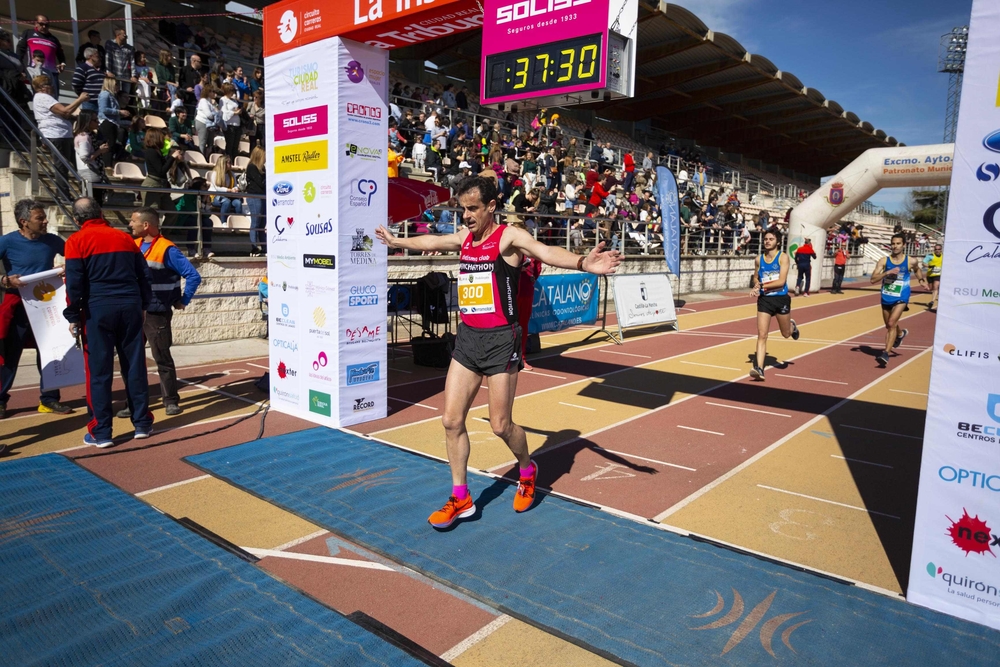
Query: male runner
point(489, 337)
point(933, 263)
point(770, 286)
point(894, 273)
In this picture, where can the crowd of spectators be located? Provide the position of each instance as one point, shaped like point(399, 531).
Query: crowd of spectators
point(163, 117)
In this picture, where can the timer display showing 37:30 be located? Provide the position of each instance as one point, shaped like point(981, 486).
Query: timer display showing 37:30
point(546, 67)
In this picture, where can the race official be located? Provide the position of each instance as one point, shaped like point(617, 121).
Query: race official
point(107, 294)
point(28, 249)
point(167, 265)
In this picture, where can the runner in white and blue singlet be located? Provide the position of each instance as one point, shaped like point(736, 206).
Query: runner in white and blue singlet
point(770, 286)
point(894, 274)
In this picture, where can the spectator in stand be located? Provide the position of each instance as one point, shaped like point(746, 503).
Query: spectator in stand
point(596, 156)
point(187, 206)
point(803, 261)
point(37, 68)
point(257, 82)
point(55, 122)
point(190, 77)
point(89, 164)
point(222, 182)
point(462, 99)
point(166, 78)
point(136, 135)
point(89, 78)
point(255, 111)
point(144, 89)
point(206, 80)
point(120, 60)
point(239, 79)
point(26, 250)
point(232, 117)
point(160, 157)
point(701, 180)
point(111, 117)
point(764, 220)
point(38, 38)
point(609, 154)
point(419, 155)
point(647, 165)
point(181, 131)
point(14, 81)
point(629, 161)
point(206, 120)
point(107, 295)
point(257, 207)
point(94, 40)
point(141, 66)
point(448, 97)
point(839, 268)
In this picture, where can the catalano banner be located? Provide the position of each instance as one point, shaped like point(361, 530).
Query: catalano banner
point(327, 185)
point(955, 564)
point(44, 297)
point(563, 301)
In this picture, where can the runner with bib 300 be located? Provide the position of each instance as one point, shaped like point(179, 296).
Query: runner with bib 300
point(489, 337)
point(894, 274)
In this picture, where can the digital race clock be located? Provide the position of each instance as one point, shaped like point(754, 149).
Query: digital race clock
point(557, 52)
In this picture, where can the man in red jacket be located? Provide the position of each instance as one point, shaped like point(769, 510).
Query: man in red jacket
point(629, 170)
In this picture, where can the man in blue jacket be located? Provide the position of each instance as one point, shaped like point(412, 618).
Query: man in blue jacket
point(107, 294)
point(167, 265)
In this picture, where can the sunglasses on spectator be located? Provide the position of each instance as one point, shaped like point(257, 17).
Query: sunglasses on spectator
point(42, 23)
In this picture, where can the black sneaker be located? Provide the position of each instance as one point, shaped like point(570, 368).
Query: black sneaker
point(124, 414)
point(899, 338)
point(757, 373)
point(882, 359)
point(3, 410)
point(55, 407)
point(795, 330)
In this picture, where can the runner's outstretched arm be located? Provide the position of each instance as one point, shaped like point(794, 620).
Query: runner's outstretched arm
point(601, 263)
point(443, 243)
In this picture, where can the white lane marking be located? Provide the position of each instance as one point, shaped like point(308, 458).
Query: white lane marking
point(632, 368)
point(265, 368)
point(831, 502)
point(71, 449)
point(638, 391)
point(700, 430)
point(582, 407)
point(725, 368)
point(476, 637)
point(171, 486)
point(642, 458)
point(871, 463)
point(330, 560)
point(608, 471)
point(219, 391)
point(300, 540)
point(915, 393)
point(875, 430)
point(624, 354)
point(420, 405)
point(548, 375)
point(764, 452)
point(736, 407)
point(799, 377)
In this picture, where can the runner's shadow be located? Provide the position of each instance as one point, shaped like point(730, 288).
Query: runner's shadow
point(769, 361)
point(867, 349)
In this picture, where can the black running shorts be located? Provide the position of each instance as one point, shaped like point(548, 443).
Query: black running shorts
point(933, 279)
point(774, 305)
point(489, 351)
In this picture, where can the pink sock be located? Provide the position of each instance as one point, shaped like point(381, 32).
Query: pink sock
point(460, 491)
point(529, 471)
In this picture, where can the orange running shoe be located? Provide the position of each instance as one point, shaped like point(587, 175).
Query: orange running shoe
point(525, 496)
point(452, 511)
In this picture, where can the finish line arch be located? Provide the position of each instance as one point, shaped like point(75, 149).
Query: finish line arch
point(873, 170)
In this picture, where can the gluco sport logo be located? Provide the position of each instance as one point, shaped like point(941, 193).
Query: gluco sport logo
point(288, 26)
point(355, 72)
point(362, 191)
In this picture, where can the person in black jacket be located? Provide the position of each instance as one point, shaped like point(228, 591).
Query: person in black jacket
point(257, 205)
point(160, 158)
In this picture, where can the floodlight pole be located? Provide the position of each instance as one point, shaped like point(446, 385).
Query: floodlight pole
point(951, 61)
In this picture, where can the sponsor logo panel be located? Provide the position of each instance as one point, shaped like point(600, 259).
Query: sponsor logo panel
point(362, 373)
point(319, 402)
point(306, 156)
point(311, 122)
point(363, 295)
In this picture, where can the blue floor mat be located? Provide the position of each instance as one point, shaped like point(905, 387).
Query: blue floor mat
point(90, 575)
point(625, 590)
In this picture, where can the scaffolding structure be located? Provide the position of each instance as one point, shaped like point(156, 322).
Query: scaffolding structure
point(951, 61)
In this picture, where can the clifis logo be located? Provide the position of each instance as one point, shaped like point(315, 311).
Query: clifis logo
point(972, 535)
point(530, 8)
point(284, 371)
point(355, 72)
point(288, 26)
point(967, 354)
point(988, 172)
point(362, 191)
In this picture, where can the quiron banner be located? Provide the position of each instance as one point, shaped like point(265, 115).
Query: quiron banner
point(44, 297)
point(327, 184)
point(563, 301)
point(955, 563)
point(643, 299)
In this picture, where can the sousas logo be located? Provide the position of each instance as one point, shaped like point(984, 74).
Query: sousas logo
point(317, 228)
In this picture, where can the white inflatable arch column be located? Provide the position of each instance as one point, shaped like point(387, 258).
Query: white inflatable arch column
point(876, 168)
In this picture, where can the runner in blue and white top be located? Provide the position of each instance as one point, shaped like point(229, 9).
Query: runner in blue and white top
point(894, 274)
point(770, 286)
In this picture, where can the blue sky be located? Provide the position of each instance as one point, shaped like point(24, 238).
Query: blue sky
point(877, 58)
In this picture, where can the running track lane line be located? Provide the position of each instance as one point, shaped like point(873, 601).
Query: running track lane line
point(767, 450)
point(476, 637)
point(830, 502)
point(330, 560)
point(677, 402)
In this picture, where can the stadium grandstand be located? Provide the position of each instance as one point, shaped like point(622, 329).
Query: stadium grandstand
point(744, 138)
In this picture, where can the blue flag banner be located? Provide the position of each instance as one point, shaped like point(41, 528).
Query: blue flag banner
point(563, 301)
point(666, 195)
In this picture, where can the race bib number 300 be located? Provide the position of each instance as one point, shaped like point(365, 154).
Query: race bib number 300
point(475, 293)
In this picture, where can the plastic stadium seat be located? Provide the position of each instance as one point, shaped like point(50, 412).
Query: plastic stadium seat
point(220, 143)
point(155, 121)
point(216, 222)
point(128, 171)
point(239, 222)
point(196, 159)
point(213, 158)
point(245, 147)
point(241, 162)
